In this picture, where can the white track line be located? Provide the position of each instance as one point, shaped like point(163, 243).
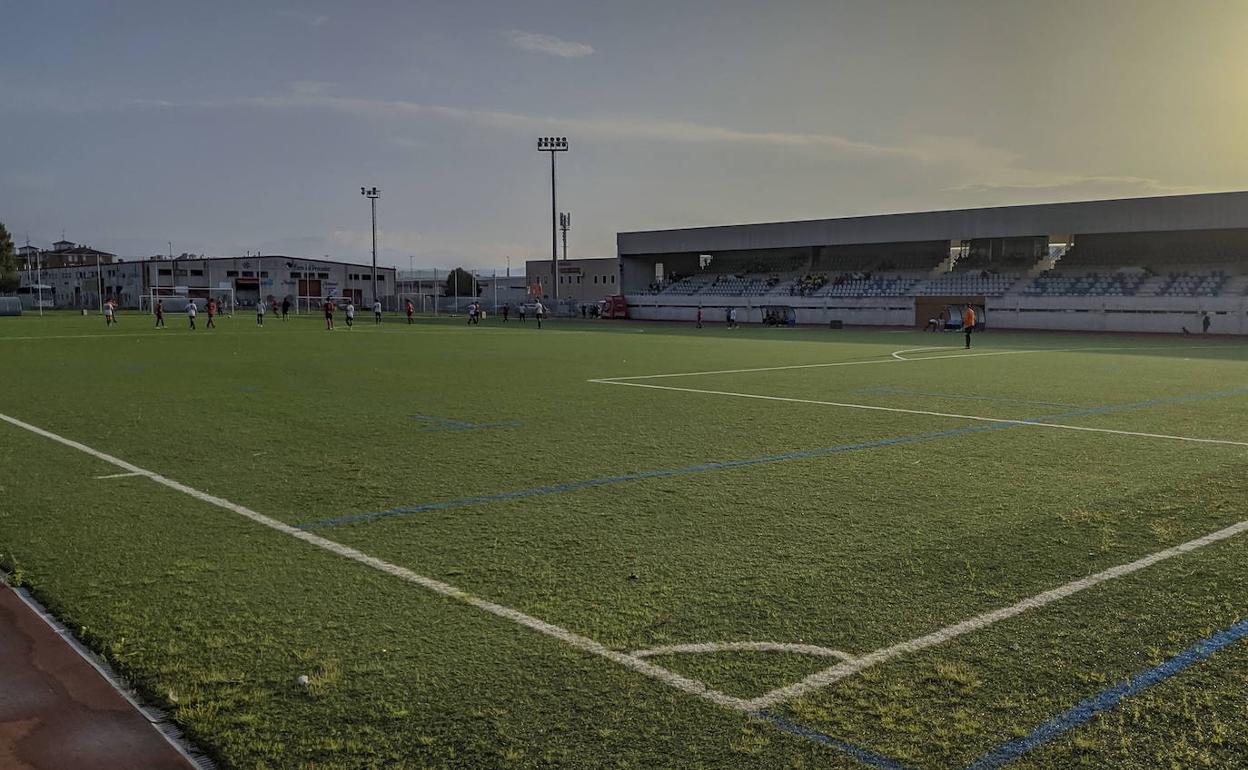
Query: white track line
point(585, 644)
point(926, 413)
point(711, 647)
point(838, 672)
point(120, 475)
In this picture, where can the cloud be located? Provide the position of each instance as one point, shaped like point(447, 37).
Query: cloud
point(1040, 185)
point(969, 166)
point(1056, 184)
point(310, 87)
point(610, 128)
point(547, 44)
point(310, 19)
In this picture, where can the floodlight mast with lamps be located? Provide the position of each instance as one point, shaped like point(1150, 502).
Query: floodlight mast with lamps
point(373, 194)
point(552, 145)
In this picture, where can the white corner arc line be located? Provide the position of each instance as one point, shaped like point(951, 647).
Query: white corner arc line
point(712, 647)
point(583, 643)
point(926, 413)
point(840, 671)
point(126, 475)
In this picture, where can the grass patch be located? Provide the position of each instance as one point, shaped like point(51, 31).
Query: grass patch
point(899, 524)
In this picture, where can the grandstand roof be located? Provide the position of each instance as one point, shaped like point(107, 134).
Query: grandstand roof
point(1208, 211)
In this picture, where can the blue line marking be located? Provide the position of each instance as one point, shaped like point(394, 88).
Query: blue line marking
point(865, 756)
point(1076, 716)
point(1108, 699)
point(654, 474)
point(908, 392)
point(443, 424)
point(715, 466)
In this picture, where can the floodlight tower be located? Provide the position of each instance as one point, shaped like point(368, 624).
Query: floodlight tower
point(552, 145)
point(372, 193)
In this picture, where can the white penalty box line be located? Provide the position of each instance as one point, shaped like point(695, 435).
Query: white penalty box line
point(833, 674)
point(895, 357)
point(928, 413)
point(853, 665)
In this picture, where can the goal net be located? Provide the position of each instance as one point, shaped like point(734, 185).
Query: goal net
point(175, 299)
point(425, 302)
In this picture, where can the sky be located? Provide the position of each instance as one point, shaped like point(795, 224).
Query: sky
point(226, 127)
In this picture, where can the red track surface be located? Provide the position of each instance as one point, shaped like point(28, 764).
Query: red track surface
point(57, 712)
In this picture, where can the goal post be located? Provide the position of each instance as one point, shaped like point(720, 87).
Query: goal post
point(423, 302)
point(176, 298)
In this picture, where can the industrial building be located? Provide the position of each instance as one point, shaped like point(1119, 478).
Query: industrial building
point(581, 281)
point(247, 279)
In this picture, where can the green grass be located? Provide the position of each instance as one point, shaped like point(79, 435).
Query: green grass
point(213, 617)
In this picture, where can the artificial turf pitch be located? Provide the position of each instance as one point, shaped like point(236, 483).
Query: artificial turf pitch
point(515, 465)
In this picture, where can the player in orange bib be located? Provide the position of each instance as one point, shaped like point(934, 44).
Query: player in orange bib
point(968, 323)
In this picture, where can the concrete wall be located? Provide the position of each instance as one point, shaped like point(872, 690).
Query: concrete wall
point(874, 311)
point(1229, 315)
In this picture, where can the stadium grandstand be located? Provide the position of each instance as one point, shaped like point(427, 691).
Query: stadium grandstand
point(1141, 264)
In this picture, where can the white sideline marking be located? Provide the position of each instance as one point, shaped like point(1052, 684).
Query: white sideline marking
point(709, 647)
point(838, 672)
point(150, 333)
point(120, 475)
point(977, 418)
point(585, 644)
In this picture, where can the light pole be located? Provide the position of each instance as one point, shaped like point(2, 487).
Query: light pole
point(565, 224)
point(552, 145)
point(373, 194)
point(39, 283)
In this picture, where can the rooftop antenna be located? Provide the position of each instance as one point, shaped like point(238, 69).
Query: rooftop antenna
point(565, 224)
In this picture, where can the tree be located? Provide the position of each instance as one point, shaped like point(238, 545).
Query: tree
point(9, 280)
point(460, 282)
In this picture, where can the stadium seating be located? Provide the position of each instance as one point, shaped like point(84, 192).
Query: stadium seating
point(881, 285)
point(1089, 284)
point(1185, 284)
point(1103, 281)
point(959, 283)
point(735, 286)
point(686, 287)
